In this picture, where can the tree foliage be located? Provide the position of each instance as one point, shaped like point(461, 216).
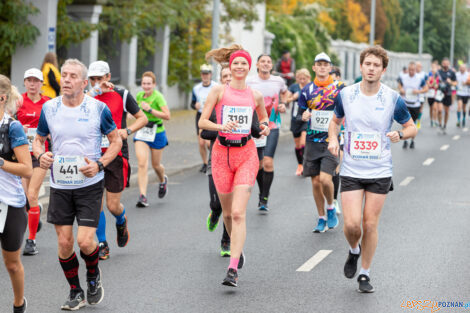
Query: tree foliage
point(15, 30)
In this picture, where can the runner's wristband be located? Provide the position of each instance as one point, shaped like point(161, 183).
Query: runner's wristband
point(149, 111)
point(100, 166)
point(39, 157)
point(265, 124)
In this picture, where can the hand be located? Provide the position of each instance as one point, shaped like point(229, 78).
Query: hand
point(197, 105)
point(145, 106)
point(306, 116)
point(333, 147)
point(106, 86)
point(89, 170)
point(123, 134)
point(394, 136)
point(448, 80)
point(46, 160)
point(281, 108)
point(415, 91)
point(229, 126)
point(264, 130)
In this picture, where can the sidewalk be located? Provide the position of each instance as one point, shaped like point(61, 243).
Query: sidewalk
point(180, 155)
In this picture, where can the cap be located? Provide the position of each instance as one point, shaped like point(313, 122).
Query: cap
point(322, 57)
point(206, 68)
point(98, 68)
point(34, 72)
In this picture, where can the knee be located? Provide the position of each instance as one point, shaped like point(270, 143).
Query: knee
point(369, 227)
point(352, 229)
point(238, 216)
point(65, 243)
point(85, 243)
point(325, 180)
point(316, 182)
point(113, 206)
point(13, 267)
point(268, 165)
point(227, 216)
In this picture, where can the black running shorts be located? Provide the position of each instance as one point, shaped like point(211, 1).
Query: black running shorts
point(117, 174)
point(374, 185)
point(15, 227)
point(84, 204)
point(318, 159)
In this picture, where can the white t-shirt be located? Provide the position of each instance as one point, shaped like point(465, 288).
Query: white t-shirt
point(76, 132)
point(368, 117)
point(462, 89)
point(270, 89)
point(409, 84)
point(200, 93)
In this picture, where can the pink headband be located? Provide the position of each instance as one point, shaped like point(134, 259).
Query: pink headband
point(240, 53)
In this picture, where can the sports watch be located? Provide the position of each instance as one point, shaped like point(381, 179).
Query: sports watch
point(128, 131)
point(400, 134)
point(2, 161)
point(100, 166)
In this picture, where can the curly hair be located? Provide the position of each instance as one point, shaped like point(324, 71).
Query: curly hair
point(377, 51)
point(222, 55)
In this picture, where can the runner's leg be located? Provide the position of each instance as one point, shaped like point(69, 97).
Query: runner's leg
point(156, 164)
point(15, 269)
point(351, 203)
point(142, 154)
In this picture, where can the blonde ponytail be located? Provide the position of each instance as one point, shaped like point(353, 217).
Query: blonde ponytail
point(222, 55)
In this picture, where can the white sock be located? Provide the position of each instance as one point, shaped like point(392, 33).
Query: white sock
point(355, 250)
point(364, 272)
point(323, 217)
point(330, 206)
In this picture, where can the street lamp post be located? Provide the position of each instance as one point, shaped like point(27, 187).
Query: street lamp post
point(215, 33)
point(421, 25)
point(372, 23)
point(452, 37)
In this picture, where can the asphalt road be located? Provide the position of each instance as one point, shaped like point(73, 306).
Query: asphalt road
point(172, 262)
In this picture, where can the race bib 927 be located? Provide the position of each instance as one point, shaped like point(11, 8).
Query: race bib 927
point(320, 120)
point(365, 146)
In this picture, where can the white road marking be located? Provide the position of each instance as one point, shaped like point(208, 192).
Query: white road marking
point(445, 147)
point(314, 260)
point(465, 129)
point(406, 181)
point(428, 161)
point(456, 137)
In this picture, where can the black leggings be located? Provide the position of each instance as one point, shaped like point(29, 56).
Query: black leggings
point(216, 207)
point(15, 227)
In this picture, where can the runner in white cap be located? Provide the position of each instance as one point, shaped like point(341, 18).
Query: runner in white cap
point(28, 115)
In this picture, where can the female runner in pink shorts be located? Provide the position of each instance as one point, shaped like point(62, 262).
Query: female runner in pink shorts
point(234, 157)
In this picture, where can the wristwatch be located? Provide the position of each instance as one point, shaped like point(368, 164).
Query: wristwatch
point(2, 161)
point(128, 131)
point(100, 166)
point(149, 111)
point(400, 134)
point(265, 123)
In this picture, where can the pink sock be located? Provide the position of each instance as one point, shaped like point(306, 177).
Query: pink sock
point(234, 263)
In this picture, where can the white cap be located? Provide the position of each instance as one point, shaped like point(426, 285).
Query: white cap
point(206, 68)
point(322, 57)
point(34, 72)
point(98, 68)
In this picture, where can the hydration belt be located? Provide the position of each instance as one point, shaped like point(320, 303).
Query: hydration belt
point(234, 143)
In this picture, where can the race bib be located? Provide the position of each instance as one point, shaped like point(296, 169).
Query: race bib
point(365, 146)
point(431, 93)
point(65, 170)
point(439, 96)
point(104, 141)
point(410, 96)
point(320, 120)
point(146, 133)
point(295, 109)
point(242, 115)
point(260, 142)
point(30, 134)
point(3, 215)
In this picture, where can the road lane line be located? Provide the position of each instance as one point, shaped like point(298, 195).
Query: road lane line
point(314, 260)
point(445, 147)
point(428, 161)
point(456, 137)
point(406, 181)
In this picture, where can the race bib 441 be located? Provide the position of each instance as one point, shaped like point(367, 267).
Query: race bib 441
point(65, 170)
point(365, 146)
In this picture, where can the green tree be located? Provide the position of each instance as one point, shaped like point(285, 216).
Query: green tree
point(15, 30)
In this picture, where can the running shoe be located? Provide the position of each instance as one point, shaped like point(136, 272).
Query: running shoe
point(350, 267)
point(321, 227)
point(458, 124)
point(21, 309)
point(30, 247)
point(103, 252)
point(405, 144)
point(203, 168)
point(364, 284)
point(418, 124)
point(300, 169)
point(95, 291)
point(75, 301)
point(122, 233)
point(231, 279)
point(332, 218)
point(212, 221)
point(225, 249)
point(142, 203)
point(412, 145)
point(263, 207)
point(40, 223)
point(337, 208)
point(241, 261)
point(162, 189)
